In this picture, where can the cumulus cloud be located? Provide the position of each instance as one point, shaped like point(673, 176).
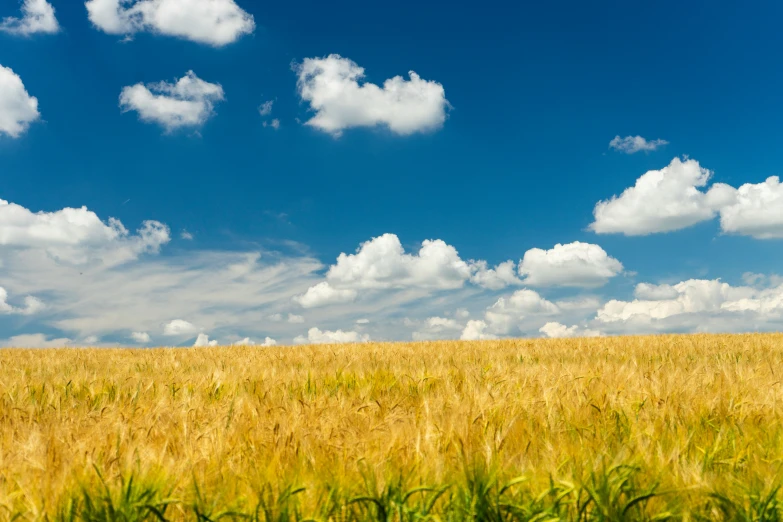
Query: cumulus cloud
point(32, 305)
point(295, 319)
point(663, 201)
point(672, 198)
point(140, 337)
point(507, 312)
point(383, 263)
point(557, 330)
point(247, 341)
point(275, 124)
point(179, 327)
point(575, 264)
point(655, 292)
point(634, 144)
point(756, 210)
point(580, 303)
point(323, 294)
point(17, 108)
point(438, 328)
point(203, 340)
point(212, 22)
point(37, 17)
point(497, 278)
point(331, 86)
point(77, 235)
point(189, 102)
point(477, 330)
point(316, 336)
point(688, 297)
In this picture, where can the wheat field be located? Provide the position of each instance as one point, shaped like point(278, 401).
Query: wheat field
point(680, 427)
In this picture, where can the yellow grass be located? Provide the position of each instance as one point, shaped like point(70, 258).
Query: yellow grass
point(228, 426)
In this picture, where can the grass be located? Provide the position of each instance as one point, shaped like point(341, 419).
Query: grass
point(605, 429)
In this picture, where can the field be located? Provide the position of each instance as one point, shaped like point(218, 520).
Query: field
point(634, 428)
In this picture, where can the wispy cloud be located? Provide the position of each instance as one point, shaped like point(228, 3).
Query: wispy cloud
point(634, 144)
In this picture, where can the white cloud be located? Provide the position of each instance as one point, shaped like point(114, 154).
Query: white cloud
point(179, 327)
point(323, 294)
point(91, 340)
point(751, 279)
point(497, 278)
point(578, 303)
point(699, 306)
point(662, 201)
point(203, 340)
point(37, 17)
point(438, 328)
point(17, 108)
point(188, 103)
point(633, 144)
point(444, 323)
point(688, 297)
point(265, 109)
point(223, 292)
point(476, 330)
point(220, 291)
point(655, 292)
point(212, 22)
point(316, 336)
point(77, 235)
point(186, 235)
point(32, 305)
point(247, 341)
point(140, 337)
point(331, 86)
point(768, 302)
point(557, 330)
point(575, 264)
point(508, 312)
point(295, 319)
point(275, 124)
point(36, 341)
point(382, 263)
point(757, 210)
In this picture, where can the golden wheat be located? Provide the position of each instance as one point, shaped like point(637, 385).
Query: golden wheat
point(696, 414)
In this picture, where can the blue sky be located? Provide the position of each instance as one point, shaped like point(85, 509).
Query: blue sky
point(532, 95)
